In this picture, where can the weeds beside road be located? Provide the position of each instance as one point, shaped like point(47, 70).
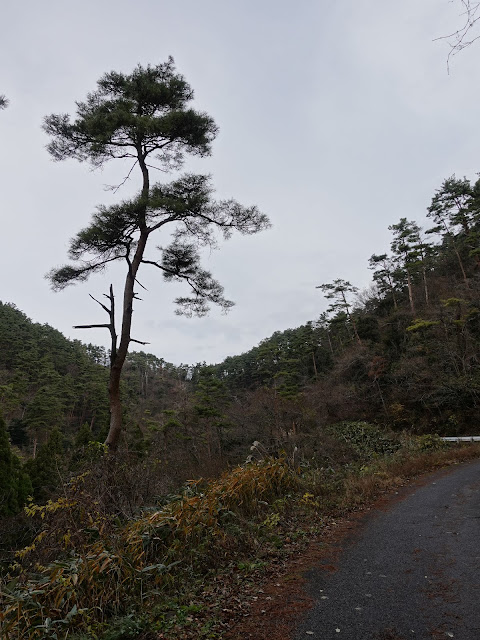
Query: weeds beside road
point(194, 566)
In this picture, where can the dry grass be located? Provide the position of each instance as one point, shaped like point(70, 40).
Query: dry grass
point(387, 474)
point(130, 563)
point(107, 566)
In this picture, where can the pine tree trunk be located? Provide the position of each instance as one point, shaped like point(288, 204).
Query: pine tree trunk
point(351, 319)
point(457, 253)
point(425, 287)
point(359, 340)
point(392, 291)
point(410, 293)
point(330, 343)
point(115, 430)
point(381, 396)
point(460, 262)
point(119, 355)
point(314, 365)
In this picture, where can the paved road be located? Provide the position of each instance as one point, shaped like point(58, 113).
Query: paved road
point(411, 571)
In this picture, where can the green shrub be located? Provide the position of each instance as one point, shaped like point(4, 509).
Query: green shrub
point(430, 442)
point(366, 439)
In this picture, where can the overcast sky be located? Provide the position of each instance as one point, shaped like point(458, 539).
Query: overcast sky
point(336, 118)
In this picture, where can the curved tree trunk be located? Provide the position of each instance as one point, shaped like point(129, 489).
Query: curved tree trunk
point(119, 355)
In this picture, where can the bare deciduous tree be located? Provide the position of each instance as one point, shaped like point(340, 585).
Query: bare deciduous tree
point(466, 34)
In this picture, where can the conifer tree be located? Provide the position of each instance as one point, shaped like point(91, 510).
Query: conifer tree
point(211, 400)
point(24, 489)
point(84, 436)
point(337, 291)
point(406, 237)
point(456, 215)
point(384, 269)
point(8, 493)
point(15, 485)
point(45, 469)
point(145, 117)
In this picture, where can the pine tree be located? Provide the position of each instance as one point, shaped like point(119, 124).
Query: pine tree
point(46, 468)
point(455, 218)
point(15, 485)
point(145, 117)
point(211, 400)
point(384, 268)
point(337, 291)
point(23, 483)
point(8, 488)
point(406, 237)
point(84, 436)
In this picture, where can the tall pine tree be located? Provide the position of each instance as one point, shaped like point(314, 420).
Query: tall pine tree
point(145, 117)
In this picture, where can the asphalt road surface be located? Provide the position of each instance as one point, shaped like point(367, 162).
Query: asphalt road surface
point(410, 571)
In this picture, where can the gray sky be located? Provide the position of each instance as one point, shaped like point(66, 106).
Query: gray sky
point(336, 117)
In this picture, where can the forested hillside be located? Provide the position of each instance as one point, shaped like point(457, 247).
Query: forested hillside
point(403, 354)
point(49, 382)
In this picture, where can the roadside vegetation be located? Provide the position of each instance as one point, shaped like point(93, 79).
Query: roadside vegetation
point(92, 572)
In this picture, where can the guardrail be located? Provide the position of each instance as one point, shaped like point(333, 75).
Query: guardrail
point(462, 439)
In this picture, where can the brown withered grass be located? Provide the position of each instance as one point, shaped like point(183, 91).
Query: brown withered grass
point(389, 474)
point(114, 568)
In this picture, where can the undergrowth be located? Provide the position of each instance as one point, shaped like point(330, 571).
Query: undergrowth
point(91, 574)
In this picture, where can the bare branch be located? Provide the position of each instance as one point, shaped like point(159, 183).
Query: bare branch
point(91, 326)
point(140, 284)
point(110, 326)
point(138, 341)
point(151, 166)
point(115, 188)
point(459, 39)
point(102, 305)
